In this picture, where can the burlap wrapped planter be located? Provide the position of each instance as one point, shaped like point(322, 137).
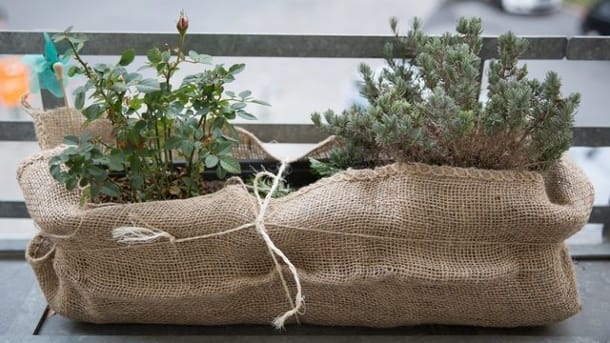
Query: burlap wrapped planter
point(52, 126)
point(403, 244)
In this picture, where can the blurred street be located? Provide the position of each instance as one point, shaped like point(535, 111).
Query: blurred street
point(297, 87)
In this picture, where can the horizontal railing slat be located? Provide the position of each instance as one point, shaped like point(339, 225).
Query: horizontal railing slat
point(285, 45)
point(18, 131)
point(13, 209)
point(600, 215)
point(591, 136)
point(21, 131)
point(589, 48)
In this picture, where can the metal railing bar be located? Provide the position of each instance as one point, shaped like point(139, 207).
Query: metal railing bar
point(23, 131)
point(287, 45)
point(588, 48)
point(13, 209)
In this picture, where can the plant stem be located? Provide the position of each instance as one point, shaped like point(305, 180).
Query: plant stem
point(180, 49)
point(79, 59)
point(158, 143)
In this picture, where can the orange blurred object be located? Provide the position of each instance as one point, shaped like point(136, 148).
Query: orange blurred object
point(14, 81)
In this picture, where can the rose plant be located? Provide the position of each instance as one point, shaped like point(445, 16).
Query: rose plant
point(165, 136)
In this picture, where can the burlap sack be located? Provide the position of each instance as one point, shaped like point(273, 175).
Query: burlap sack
point(51, 126)
point(400, 245)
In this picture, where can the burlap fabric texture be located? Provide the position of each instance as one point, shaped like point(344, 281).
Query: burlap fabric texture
point(403, 244)
point(53, 125)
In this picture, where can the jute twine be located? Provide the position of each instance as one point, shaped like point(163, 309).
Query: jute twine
point(140, 235)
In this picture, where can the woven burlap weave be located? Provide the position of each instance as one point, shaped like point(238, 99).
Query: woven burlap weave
point(399, 245)
point(53, 125)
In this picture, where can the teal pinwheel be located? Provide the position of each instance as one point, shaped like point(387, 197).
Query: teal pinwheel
point(42, 74)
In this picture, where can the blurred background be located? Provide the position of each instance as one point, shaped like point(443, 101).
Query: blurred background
point(297, 87)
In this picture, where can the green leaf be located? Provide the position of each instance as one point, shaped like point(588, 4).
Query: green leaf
point(120, 87)
point(130, 77)
point(246, 115)
point(211, 161)
point(218, 123)
point(83, 182)
point(221, 173)
point(71, 140)
point(237, 68)
point(187, 147)
point(174, 109)
point(70, 151)
point(224, 149)
point(127, 57)
point(238, 105)
point(245, 94)
point(229, 138)
point(73, 70)
point(115, 162)
point(230, 94)
point(94, 111)
point(173, 142)
point(140, 125)
point(230, 164)
point(71, 183)
point(200, 58)
point(86, 137)
point(260, 102)
point(55, 171)
point(55, 159)
point(165, 56)
point(101, 67)
point(148, 86)
point(79, 100)
point(111, 189)
point(154, 55)
point(97, 172)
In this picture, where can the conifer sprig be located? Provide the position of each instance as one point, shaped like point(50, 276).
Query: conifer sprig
point(424, 107)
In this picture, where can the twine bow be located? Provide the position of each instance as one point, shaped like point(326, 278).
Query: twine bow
point(137, 235)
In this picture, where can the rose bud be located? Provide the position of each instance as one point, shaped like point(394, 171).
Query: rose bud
point(183, 23)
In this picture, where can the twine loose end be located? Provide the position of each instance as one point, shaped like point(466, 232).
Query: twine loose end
point(138, 235)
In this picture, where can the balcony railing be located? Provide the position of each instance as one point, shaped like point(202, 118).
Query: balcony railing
point(305, 46)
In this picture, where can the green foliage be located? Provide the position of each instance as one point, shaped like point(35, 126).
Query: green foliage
point(424, 107)
point(323, 169)
point(86, 166)
point(263, 186)
point(155, 124)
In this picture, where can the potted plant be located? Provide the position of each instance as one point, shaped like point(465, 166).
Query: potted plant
point(477, 185)
point(155, 123)
point(425, 107)
point(442, 218)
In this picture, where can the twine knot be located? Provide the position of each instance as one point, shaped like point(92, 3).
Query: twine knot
point(135, 234)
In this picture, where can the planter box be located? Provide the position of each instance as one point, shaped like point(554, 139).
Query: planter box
point(403, 244)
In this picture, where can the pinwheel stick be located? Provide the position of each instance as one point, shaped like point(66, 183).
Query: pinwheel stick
point(59, 72)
